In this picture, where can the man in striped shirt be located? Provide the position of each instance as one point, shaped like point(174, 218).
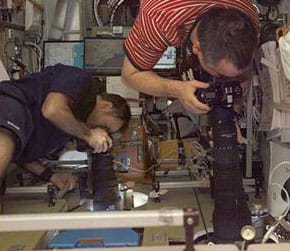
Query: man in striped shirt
point(223, 35)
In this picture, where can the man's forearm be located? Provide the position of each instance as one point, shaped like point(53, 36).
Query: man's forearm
point(65, 120)
point(34, 167)
point(58, 112)
point(152, 84)
point(149, 82)
point(37, 169)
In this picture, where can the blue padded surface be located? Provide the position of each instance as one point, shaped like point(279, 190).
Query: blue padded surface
point(110, 238)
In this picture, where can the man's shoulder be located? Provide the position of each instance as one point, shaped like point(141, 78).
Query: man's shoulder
point(177, 7)
point(173, 14)
point(62, 67)
point(68, 73)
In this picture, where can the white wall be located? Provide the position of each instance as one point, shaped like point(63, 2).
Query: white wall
point(3, 72)
point(285, 5)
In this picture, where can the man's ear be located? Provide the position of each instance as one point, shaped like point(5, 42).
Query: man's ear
point(196, 46)
point(104, 105)
point(196, 49)
point(195, 42)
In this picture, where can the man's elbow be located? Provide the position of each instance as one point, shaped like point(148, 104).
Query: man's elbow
point(128, 73)
point(125, 80)
point(49, 110)
point(54, 106)
point(125, 76)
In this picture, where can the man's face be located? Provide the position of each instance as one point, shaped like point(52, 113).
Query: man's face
point(224, 69)
point(103, 116)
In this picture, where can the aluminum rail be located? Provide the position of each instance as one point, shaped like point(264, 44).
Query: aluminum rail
point(26, 190)
point(194, 184)
point(184, 184)
point(167, 173)
point(88, 220)
point(165, 248)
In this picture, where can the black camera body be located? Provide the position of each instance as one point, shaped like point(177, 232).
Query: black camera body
point(220, 93)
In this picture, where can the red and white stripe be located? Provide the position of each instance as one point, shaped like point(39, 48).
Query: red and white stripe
point(163, 23)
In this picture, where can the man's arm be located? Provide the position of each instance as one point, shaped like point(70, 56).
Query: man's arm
point(150, 83)
point(56, 109)
point(34, 167)
point(7, 147)
point(63, 181)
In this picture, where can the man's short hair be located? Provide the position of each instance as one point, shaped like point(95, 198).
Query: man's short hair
point(87, 102)
point(227, 34)
point(121, 109)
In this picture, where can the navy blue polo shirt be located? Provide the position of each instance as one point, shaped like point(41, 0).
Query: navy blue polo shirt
point(40, 136)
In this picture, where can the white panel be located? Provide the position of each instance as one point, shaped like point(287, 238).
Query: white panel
point(279, 174)
point(285, 6)
point(115, 86)
point(3, 72)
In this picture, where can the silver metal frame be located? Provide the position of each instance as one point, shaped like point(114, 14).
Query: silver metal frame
point(249, 156)
point(253, 247)
point(164, 248)
point(111, 219)
point(26, 190)
point(184, 184)
point(195, 184)
point(87, 220)
point(104, 219)
point(165, 173)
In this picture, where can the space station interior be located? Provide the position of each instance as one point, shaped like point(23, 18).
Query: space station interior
point(173, 180)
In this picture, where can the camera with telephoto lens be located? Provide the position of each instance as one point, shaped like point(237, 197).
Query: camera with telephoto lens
point(220, 93)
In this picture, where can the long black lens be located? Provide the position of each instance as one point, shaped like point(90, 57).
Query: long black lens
point(231, 212)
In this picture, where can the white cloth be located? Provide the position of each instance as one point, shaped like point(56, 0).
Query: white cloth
point(284, 44)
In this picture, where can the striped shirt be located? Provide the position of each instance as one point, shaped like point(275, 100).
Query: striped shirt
point(163, 23)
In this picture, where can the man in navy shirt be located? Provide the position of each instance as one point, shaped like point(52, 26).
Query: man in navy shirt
point(43, 111)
